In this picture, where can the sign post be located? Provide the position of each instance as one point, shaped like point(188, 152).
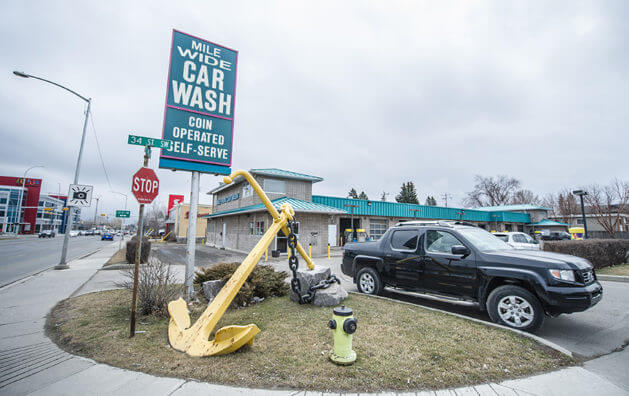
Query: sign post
point(199, 119)
point(145, 187)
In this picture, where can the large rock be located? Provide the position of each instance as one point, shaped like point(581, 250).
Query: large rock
point(331, 296)
point(211, 289)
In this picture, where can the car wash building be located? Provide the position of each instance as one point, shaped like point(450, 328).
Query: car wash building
point(239, 218)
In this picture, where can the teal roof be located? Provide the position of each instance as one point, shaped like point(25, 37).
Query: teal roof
point(509, 208)
point(285, 174)
point(297, 204)
point(547, 223)
point(395, 209)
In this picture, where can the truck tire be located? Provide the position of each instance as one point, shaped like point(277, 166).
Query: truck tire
point(515, 307)
point(368, 281)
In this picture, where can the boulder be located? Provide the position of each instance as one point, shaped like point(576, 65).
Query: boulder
point(333, 295)
point(211, 289)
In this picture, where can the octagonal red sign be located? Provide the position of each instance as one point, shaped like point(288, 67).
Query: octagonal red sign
point(145, 185)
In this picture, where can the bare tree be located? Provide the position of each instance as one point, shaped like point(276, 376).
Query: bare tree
point(567, 205)
point(490, 191)
point(524, 196)
point(608, 203)
point(550, 201)
point(155, 217)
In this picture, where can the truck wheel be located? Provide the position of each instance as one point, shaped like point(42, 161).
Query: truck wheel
point(515, 307)
point(368, 281)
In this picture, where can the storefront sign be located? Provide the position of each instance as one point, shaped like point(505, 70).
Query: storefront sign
point(200, 99)
point(228, 199)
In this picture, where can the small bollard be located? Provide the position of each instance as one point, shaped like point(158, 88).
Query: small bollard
point(343, 323)
point(310, 250)
point(328, 250)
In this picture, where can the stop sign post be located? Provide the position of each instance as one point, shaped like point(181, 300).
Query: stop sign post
point(145, 187)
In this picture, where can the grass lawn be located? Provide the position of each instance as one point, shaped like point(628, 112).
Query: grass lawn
point(622, 269)
point(399, 347)
point(118, 258)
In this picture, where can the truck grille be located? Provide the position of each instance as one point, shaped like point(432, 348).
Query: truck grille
point(588, 276)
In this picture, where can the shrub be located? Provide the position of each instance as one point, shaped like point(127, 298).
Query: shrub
point(132, 246)
point(263, 281)
point(157, 286)
point(600, 252)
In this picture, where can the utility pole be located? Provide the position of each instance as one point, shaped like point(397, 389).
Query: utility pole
point(445, 198)
point(96, 211)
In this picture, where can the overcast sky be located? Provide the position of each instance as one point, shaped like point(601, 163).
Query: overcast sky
point(364, 94)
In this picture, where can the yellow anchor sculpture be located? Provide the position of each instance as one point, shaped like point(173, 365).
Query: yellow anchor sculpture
point(194, 340)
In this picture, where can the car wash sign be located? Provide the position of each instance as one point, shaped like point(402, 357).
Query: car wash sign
point(200, 99)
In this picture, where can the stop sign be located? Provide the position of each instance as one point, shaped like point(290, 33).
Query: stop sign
point(145, 185)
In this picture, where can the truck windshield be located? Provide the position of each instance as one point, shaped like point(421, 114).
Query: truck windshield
point(483, 240)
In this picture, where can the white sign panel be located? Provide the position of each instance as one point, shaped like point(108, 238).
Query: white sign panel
point(80, 195)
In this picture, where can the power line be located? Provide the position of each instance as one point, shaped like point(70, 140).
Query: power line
point(100, 154)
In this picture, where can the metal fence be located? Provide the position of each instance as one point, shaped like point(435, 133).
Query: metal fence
point(607, 235)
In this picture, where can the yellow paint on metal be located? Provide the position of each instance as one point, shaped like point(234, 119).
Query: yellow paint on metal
point(194, 340)
point(166, 236)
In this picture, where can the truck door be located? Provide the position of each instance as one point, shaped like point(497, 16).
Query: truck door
point(445, 272)
point(403, 263)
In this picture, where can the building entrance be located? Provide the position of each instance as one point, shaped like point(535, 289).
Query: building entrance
point(345, 223)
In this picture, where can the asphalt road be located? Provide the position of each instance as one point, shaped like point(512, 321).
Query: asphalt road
point(27, 254)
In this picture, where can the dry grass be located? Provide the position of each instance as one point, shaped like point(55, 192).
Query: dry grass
point(399, 347)
point(622, 270)
point(118, 258)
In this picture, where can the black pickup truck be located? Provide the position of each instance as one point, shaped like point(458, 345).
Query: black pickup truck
point(460, 261)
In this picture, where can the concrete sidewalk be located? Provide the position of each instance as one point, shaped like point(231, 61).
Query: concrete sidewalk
point(31, 364)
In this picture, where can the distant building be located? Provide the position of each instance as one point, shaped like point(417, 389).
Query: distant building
point(239, 218)
point(177, 220)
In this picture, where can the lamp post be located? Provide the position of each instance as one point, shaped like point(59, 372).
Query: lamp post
point(581, 193)
point(351, 206)
point(121, 219)
point(415, 213)
point(19, 212)
point(96, 210)
point(64, 251)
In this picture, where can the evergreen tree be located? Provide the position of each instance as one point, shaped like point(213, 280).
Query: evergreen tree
point(352, 193)
point(407, 194)
point(384, 196)
point(363, 196)
point(431, 201)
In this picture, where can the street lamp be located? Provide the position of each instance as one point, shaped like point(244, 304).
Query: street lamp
point(19, 212)
point(581, 193)
point(64, 251)
point(121, 219)
point(351, 206)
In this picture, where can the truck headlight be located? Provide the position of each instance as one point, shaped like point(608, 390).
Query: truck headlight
point(567, 275)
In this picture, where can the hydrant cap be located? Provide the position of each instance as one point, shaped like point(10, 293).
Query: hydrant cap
point(343, 311)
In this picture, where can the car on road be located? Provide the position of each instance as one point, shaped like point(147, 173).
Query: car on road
point(461, 262)
point(107, 236)
point(518, 240)
point(47, 234)
point(74, 233)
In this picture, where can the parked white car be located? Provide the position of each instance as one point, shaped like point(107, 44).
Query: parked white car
point(519, 240)
point(74, 233)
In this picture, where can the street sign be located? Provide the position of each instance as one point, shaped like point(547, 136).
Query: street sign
point(199, 111)
point(145, 185)
point(146, 141)
point(80, 195)
point(123, 213)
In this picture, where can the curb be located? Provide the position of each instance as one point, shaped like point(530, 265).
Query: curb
point(612, 278)
point(538, 339)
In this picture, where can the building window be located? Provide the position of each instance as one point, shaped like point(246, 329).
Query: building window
point(259, 227)
point(580, 221)
point(251, 228)
point(377, 227)
point(3, 200)
point(275, 186)
point(247, 190)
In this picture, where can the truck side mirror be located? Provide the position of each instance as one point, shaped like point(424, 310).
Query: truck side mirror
point(460, 250)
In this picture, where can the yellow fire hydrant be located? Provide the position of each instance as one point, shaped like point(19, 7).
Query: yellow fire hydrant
point(344, 324)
